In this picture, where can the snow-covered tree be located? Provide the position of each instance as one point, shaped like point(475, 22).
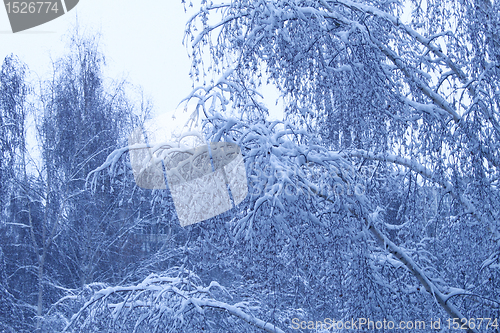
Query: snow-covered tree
point(409, 92)
point(68, 236)
point(13, 113)
point(377, 195)
point(14, 266)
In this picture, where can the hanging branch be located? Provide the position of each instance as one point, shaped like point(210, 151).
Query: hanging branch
point(158, 301)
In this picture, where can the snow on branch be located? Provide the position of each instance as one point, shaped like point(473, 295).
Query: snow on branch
point(159, 302)
point(427, 42)
point(282, 163)
point(428, 174)
point(430, 287)
point(398, 252)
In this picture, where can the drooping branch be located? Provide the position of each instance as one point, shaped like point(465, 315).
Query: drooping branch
point(431, 288)
point(428, 174)
point(384, 242)
point(160, 298)
point(427, 42)
point(237, 312)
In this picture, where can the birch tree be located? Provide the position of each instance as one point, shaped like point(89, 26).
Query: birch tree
point(377, 195)
point(14, 270)
point(69, 237)
point(84, 118)
point(415, 99)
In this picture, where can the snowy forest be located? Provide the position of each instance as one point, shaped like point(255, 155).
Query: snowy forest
point(376, 196)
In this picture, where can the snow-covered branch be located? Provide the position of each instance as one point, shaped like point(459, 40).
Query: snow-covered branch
point(160, 301)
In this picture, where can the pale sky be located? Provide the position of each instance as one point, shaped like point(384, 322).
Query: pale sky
point(142, 41)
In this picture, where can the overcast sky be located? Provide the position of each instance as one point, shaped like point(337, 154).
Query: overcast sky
point(142, 41)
